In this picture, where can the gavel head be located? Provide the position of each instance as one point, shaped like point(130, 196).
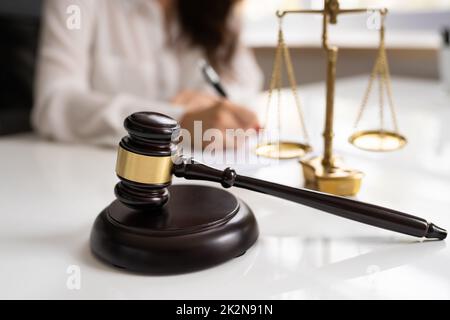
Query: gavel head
point(144, 160)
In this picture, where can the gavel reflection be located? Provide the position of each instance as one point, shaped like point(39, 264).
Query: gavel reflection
point(146, 163)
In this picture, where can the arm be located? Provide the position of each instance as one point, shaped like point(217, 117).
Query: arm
point(66, 108)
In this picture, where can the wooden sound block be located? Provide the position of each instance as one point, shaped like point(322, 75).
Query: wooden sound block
point(199, 227)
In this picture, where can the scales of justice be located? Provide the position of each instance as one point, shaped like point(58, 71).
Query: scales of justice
point(327, 173)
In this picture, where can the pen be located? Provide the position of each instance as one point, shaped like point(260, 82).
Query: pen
point(212, 78)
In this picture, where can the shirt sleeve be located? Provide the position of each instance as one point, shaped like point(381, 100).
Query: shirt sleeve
point(65, 106)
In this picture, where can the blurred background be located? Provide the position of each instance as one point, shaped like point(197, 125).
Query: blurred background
point(413, 40)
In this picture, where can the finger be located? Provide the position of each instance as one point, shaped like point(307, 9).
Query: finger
point(246, 117)
point(177, 98)
point(201, 102)
point(224, 119)
point(183, 98)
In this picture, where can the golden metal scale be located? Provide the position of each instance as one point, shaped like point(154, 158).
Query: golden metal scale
point(327, 173)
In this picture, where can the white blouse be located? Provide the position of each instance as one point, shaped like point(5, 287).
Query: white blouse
point(117, 62)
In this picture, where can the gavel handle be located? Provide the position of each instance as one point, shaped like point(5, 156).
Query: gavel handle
point(347, 208)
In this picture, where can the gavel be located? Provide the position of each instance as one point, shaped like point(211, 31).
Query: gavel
point(148, 158)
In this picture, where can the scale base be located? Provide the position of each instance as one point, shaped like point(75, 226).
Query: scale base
point(338, 179)
point(199, 227)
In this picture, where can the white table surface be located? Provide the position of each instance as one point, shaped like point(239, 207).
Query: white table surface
point(50, 194)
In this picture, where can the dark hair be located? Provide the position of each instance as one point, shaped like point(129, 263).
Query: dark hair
point(206, 24)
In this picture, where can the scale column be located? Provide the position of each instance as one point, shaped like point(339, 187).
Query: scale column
point(328, 134)
point(327, 173)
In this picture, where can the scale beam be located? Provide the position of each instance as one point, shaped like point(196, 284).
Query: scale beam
point(282, 13)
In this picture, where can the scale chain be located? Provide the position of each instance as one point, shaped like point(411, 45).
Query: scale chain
point(380, 72)
point(282, 53)
point(293, 83)
point(274, 80)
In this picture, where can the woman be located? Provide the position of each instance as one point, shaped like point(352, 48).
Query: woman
point(136, 55)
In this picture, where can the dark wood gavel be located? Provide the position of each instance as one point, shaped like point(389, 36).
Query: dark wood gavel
point(147, 160)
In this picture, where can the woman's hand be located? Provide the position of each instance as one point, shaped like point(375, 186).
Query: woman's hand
point(222, 115)
point(194, 100)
